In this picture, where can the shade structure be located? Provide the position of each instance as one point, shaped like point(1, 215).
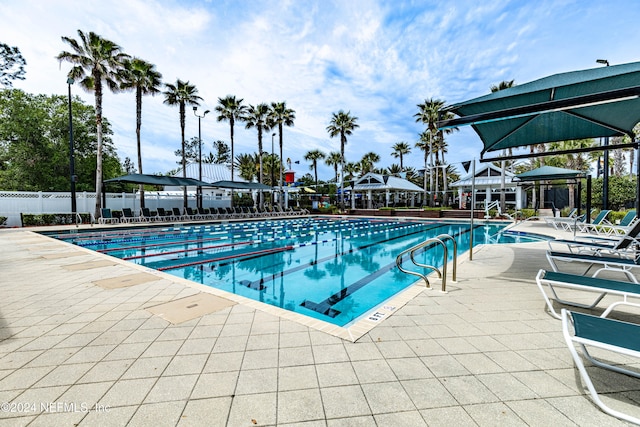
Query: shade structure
point(548, 173)
point(235, 185)
point(137, 178)
point(592, 103)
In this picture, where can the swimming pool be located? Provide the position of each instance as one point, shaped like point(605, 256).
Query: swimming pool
point(328, 268)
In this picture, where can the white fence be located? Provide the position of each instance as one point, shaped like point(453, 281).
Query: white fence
point(13, 203)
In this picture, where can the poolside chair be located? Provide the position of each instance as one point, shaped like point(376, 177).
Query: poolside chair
point(192, 215)
point(625, 224)
point(206, 214)
point(164, 215)
point(549, 281)
point(598, 222)
point(106, 217)
point(605, 335)
point(146, 214)
point(177, 215)
point(128, 216)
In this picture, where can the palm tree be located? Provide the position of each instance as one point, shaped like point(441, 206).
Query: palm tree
point(352, 169)
point(313, 156)
point(230, 109)
point(368, 161)
point(394, 169)
point(427, 114)
point(503, 85)
point(247, 165)
point(334, 159)
point(257, 116)
point(140, 75)
point(342, 124)
point(400, 149)
point(282, 116)
point(94, 60)
point(424, 145)
point(182, 94)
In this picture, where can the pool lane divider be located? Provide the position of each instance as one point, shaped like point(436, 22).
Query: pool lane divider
point(155, 245)
point(181, 251)
point(234, 256)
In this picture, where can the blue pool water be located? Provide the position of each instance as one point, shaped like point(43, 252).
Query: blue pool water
point(331, 269)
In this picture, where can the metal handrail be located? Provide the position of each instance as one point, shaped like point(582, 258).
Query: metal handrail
point(441, 274)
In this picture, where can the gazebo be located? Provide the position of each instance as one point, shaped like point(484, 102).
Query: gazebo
point(488, 178)
point(371, 183)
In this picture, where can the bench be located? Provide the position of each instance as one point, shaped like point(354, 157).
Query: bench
point(554, 279)
point(604, 334)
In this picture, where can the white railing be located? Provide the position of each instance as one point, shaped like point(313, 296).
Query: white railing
point(13, 203)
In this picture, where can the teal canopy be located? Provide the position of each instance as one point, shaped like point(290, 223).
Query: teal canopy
point(236, 185)
point(137, 178)
point(598, 102)
point(546, 173)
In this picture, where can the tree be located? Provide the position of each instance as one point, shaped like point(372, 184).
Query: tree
point(256, 116)
point(352, 169)
point(313, 156)
point(503, 85)
point(342, 124)
point(334, 159)
point(222, 155)
point(11, 65)
point(190, 153)
point(230, 109)
point(428, 114)
point(400, 149)
point(141, 76)
point(247, 165)
point(95, 59)
point(182, 94)
point(34, 143)
point(281, 116)
point(424, 145)
point(368, 161)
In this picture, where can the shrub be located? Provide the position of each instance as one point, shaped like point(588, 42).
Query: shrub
point(3, 221)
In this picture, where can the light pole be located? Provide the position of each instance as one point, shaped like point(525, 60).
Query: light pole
point(605, 169)
point(199, 189)
point(273, 202)
point(72, 171)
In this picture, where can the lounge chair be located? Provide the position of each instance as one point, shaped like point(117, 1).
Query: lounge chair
point(626, 244)
point(550, 280)
point(165, 215)
point(565, 222)
point(206, 214)
point(598, 222)
point(625, 224)
point(106, 217)
point(146, 214)
point(177, 215)
point(193, 214)
point(128, 216)
point(606, 335)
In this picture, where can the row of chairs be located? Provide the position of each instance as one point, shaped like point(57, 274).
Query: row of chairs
point(598, 225)
point(197, 214)
point(585, 331)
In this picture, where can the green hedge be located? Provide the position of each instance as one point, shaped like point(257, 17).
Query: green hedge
point(3, 221)
point(29, 220)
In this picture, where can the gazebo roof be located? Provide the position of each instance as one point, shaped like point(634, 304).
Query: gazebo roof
point(545, 173)
point(374, 181)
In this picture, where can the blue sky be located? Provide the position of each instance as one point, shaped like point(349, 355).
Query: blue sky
point(376, 59)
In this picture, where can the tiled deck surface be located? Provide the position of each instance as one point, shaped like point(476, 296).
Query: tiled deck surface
point(486, 353)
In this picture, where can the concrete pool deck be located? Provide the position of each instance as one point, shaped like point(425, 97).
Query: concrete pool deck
point(486, 353)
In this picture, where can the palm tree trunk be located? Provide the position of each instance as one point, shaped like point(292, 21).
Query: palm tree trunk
point(260, 163)
point(184, 158)
point(231, 121)
point(98, 98)
point(138, 126)
point(342, 141)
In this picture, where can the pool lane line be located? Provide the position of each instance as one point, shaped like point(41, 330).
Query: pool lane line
point(248, 242)
point(235, 256)
point(155, 245)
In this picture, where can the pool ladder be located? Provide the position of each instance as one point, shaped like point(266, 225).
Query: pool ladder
point(441, 274)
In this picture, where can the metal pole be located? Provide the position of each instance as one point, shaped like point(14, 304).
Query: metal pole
point(199, 189)
point(72, 168)
point(473, 203)
point(605, 176)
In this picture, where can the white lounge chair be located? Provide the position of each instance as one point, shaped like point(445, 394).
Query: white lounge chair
point(604, 334)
